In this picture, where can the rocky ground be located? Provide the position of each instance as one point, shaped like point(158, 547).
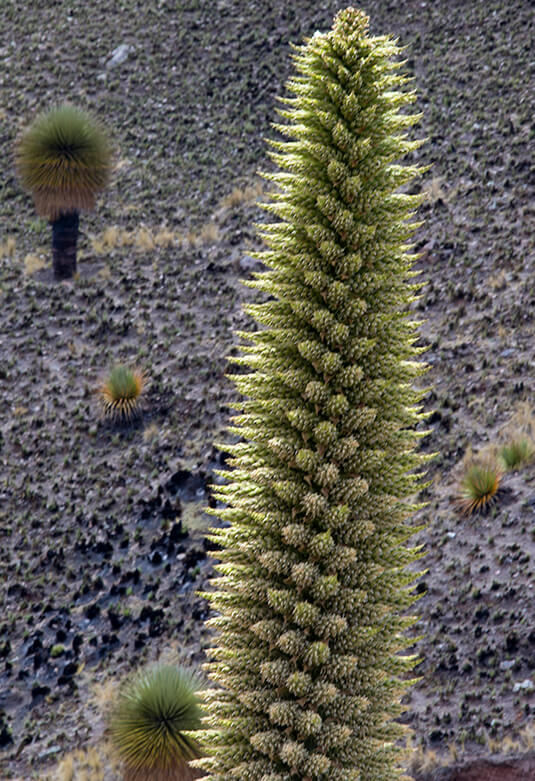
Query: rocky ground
point(101, 526)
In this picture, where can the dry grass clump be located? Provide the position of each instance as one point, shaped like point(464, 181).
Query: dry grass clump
point(418, 759)
point(95, 763)
point(482, 474)
point(144, 239)
point(208, 234)
point(33, 263)
point(7, 248)
point(239, 196)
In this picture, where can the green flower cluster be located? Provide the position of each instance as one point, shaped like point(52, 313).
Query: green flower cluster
point(313, 583)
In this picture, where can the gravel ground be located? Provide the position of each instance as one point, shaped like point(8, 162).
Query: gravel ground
point(101, 526)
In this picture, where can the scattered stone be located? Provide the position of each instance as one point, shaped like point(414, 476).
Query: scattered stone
point(49, 752)
point(524, 686)
point(119, 55)
point(508, 664)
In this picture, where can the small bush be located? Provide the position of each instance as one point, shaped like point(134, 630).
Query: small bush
point(148, 723)
point(121, 393)
point(479, 487)
point(516, 453)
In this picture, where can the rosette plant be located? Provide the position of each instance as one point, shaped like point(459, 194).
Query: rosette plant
point(64, 159)
point(120, 393)
point(311, 658)
point(151, 724)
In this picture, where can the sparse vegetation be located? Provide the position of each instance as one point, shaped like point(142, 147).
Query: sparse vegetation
point(516, 453)
point(185, 142)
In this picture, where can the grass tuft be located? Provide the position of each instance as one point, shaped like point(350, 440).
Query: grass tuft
point(479, 487)
point(121, 392)
point(516, 453)
point(63, 158)
point(147, 725)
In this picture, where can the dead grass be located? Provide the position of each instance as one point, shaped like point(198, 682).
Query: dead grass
point(523, 742)
point(239, 196)
point(419, 759)
point(33, 263)
point(434, 191)
point(147, 239)
point(422, 760)
point(103, 695)
point(144, 240)
point(7, 248)
point(522, 422)
point(150, 433)
point(96, 763)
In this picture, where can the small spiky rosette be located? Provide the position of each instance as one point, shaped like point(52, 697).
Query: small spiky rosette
point(148, 723)
point(64, 159)
point(121, 393)
point(479, 487)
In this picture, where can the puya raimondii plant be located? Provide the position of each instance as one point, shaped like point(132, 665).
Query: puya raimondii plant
point(64, 159)
point(311, 600)
point(313, 590)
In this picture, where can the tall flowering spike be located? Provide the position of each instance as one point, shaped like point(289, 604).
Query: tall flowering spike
point(311, 601)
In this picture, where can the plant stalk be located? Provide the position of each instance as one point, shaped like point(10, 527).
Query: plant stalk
point(64, 241)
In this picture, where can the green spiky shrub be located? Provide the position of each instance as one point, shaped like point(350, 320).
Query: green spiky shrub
point(516, 453)
point(480, 485)
point(310, 603)
point(120, 393)
point(149, 722)
point(64, 159)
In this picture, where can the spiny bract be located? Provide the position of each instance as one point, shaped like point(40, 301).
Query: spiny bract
point(148, 723)
point(313, 584)
point(64, 159)
point(121, 391)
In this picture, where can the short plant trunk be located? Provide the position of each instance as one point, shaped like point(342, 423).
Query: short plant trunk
point(64, 240)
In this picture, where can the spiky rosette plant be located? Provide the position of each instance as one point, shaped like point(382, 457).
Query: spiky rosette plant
point(313, 589)
point(480, 486)
point(149, 722)
point(120, 393)
point(64, 159)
